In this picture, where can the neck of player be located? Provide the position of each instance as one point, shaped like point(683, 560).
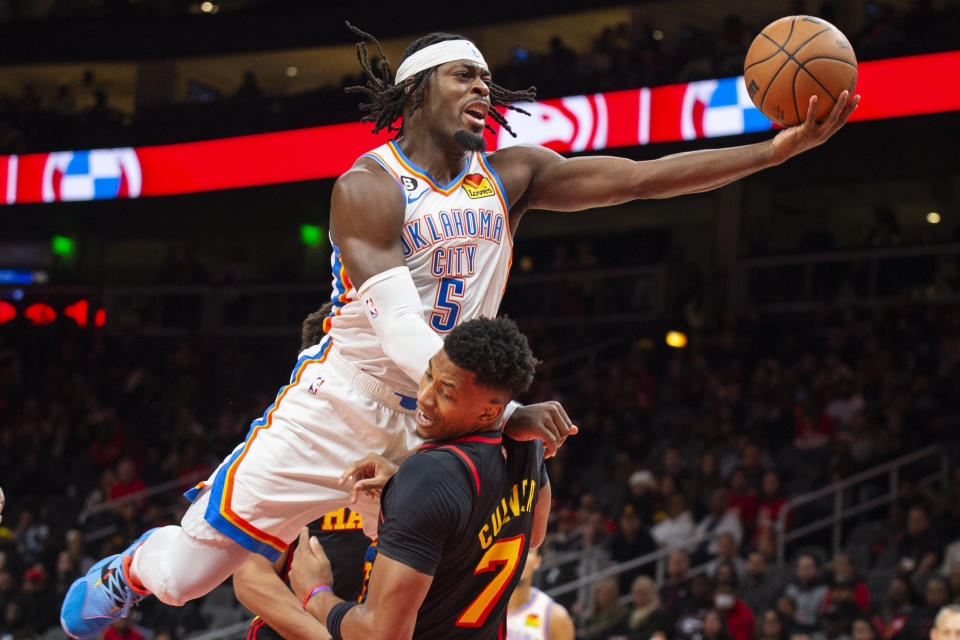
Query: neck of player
point(440, 155)
point(521, 595)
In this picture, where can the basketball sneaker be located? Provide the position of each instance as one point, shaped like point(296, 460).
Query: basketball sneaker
point(103, 595)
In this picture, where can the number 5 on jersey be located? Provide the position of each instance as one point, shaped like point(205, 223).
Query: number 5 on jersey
point(446, 310)
point(503, 557)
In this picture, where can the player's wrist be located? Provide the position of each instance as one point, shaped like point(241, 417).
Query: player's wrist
point(317, 588)
point(509, 410)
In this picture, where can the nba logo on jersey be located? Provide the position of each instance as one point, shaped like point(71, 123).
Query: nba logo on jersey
point(477, 186)
point(371, 308)
point(315, 386)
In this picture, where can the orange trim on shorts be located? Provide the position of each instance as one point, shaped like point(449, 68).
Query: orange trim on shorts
point(227, 496)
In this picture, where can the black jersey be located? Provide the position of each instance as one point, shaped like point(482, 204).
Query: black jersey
point(341, 534)
point(462, 511)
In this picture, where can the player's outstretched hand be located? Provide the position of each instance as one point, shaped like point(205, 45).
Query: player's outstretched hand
point(310, 566)
point(370, 474)
point(810, 133)
point(546, 421)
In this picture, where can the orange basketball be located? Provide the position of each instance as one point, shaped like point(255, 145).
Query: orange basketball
point(794, 58)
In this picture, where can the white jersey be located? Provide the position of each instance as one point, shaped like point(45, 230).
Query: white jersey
point(530, 621)
point(456, 241)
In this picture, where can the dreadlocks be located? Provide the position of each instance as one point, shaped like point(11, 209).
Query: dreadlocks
point(386, 99)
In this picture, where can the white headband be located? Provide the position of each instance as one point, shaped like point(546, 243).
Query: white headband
point(437, 54)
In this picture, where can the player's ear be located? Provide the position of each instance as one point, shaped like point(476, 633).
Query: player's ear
point(491, 413)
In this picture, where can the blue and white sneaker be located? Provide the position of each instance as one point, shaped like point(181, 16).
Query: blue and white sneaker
point(104, 595)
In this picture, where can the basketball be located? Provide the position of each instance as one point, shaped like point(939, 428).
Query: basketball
point(793, 58)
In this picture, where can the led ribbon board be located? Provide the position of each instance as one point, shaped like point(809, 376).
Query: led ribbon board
point(891, 88)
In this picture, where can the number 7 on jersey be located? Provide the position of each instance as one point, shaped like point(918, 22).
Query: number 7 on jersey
point(503, 557)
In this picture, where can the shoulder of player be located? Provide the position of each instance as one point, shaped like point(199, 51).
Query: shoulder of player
point(529, 447)
point(427, 465)
point(521, 155)
point(367, 181)
point(560, 622)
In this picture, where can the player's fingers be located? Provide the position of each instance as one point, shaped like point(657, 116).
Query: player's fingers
point(304, 535)
point(315, 546)
point(850, 108)
point(564, 422)
point(366, 486)
point(842, 100)
point(811, 118)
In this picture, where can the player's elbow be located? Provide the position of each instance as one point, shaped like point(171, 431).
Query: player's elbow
point(245, 583)
point(244, 594)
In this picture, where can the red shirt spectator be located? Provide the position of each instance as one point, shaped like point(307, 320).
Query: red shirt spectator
point(740, 619)
point(122, 629)
point(127, 480)
point(742, 498)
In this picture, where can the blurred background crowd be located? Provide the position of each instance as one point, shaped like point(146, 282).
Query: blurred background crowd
point(81, 112)
point(818, 305)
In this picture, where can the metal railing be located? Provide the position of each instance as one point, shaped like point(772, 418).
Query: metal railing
point(866, 277)
point(841, 512)
point(837, 494)
point(598, 296)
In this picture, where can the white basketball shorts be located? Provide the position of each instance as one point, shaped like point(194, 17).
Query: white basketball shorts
point(285, 474)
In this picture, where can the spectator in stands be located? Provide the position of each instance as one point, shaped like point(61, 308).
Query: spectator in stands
point(923, 618)
point(122, 629)
point(842, 599)
point(640, 488)
point(688, 613)
point(740, 620)
point(727, 556)
point(127, 480)
point(770, 502)
point(37, 599)
point(706, 479)
point(759, 587)
point(9, 589)
point(953, 582)
point(75, 547)
point(678, 526)
point(715, 627)
point(862, 629)
point(631, 541)
point(66, 573)
point(743, 500)
point(920, 548)
point(675, 466)
point(676, 587)
point(891, 622)
point(13, 621)
point(772, 626)
point(807, 591)
point(720, 519)
point(752, 462)
point(647, 618)
point(844, 574)
point(607, 616)
point(834, 625)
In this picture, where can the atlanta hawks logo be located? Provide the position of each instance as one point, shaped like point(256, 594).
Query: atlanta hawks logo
point(477, 186)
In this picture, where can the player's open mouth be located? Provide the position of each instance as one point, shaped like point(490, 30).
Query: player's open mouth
point(476, 112)
point(422, 419)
